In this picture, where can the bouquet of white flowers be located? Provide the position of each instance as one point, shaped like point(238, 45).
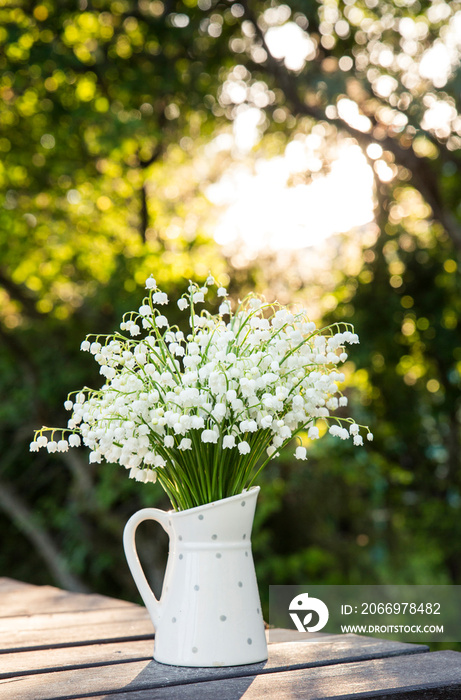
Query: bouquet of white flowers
point(205, 413)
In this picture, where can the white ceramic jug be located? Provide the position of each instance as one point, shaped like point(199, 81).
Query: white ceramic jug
point(209, 612)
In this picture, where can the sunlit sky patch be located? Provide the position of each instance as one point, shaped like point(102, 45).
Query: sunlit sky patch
point(261, 210)
point(292, 44)
point(261, 207)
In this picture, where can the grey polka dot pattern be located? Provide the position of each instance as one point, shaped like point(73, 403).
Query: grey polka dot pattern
point(223, 537)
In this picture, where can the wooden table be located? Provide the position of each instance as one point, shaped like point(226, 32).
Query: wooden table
point(56, 645)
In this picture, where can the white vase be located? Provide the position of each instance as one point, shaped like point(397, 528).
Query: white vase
point(209, 612)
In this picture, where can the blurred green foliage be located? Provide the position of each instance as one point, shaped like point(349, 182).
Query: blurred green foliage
point(106, 107)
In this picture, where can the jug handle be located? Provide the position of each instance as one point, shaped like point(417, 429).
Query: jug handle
point(129, 544)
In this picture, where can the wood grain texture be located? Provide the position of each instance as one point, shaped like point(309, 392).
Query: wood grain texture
point(48, 599)
point(149, 674)
point(10, 584)
point(43, 631)
point(71, 657)
point(275, 635)
point(56, 645)
point(349, 647)
point(434, 676)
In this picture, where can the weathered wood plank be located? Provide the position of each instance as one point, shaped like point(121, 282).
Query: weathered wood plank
point(49, 630)
point(59, 658)
point(48, 599)
point(150, 674)
point(434, 676)
point(90, 645)
point(346, 648)
point(10, 584)
point(276, 635)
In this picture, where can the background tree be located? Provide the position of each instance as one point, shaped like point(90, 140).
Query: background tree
point(107, 108)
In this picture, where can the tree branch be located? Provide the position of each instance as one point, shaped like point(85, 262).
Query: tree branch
point(144, 213)
point(19, 294)
point(144, 164)
point(86, 493)
point(423, 177)
point(158, 151)
point(27, 523)
point(23, 359)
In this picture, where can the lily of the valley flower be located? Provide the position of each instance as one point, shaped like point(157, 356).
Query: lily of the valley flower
point(206, 412)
